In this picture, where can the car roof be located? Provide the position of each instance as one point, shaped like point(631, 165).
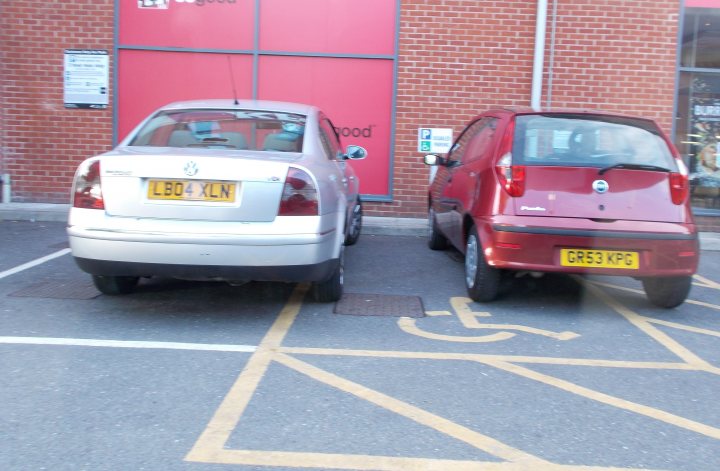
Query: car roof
point(225, 104)
point(525, 110)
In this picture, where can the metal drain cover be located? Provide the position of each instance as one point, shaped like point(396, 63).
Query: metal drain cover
point(357, 304)
point(58, 290)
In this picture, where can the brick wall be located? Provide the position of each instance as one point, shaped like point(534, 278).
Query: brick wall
point(458, 57)
point(41, 141)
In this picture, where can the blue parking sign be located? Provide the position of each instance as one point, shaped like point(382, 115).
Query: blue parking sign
point(426, 134)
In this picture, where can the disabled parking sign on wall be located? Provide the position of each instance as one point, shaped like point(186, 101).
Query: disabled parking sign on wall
point(434, 140)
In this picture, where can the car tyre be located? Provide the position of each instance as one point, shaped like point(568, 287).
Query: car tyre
point(437, 241)
point(331, 290)
point(482, 280)
point(353, 233)
point(115, 285)
point(667, 292)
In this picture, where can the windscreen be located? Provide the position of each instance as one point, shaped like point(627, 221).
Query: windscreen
point(224, 129)
point(589, 141)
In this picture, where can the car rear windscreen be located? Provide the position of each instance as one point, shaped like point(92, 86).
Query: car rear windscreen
point(224, 129)
point(588, 141)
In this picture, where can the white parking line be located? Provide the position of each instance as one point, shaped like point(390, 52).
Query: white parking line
point(34, 263)
point(127, 344)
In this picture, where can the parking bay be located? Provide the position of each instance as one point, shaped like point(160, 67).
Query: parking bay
point(403, 373)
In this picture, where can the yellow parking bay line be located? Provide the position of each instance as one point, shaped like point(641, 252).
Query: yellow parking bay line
point(210, 446)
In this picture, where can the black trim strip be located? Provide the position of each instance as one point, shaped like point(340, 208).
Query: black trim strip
point(591, 233)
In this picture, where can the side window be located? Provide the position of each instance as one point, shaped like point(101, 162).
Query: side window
point(460, 148)
point(329, 139)
point(481, 143)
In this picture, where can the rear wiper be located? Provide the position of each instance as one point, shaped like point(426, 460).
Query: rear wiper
point(653, 168)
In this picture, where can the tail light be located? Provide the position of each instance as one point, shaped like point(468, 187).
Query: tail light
point(679, 188)
point(299, 196)
point(512, 177)
point(88, 191)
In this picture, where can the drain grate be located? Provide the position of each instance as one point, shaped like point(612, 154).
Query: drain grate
point(58, 290)
point(357, 304)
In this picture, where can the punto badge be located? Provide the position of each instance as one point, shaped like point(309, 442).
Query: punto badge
point(190, 169)
point(601, 186)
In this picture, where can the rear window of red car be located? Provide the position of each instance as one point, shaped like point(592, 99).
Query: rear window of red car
point(588, 141)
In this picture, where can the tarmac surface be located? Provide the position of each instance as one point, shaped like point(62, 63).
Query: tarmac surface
point(48, 212)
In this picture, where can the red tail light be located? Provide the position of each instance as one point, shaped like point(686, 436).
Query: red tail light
point(678, 187)
point(299, 197)
point(512, 177)
point(88, 191)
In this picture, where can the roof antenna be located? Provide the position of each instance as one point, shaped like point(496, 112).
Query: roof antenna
point(232, 81)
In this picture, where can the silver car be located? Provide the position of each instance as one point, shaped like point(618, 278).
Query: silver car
point(220, 190)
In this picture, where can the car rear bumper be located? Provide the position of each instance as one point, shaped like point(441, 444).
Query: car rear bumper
point(237, 251)
point(518, 243)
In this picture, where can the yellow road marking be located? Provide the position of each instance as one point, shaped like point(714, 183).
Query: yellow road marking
point(411, 412)
point(639, 291)
point(642, 323)
point(491, 358)
point(409, 325)
point(705, 282)
point(232, 407)
point(290, 460)
point(634, 407)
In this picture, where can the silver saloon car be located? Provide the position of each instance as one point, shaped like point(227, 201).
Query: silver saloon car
point(220, 190)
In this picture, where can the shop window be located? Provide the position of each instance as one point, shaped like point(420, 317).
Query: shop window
point(698, 109)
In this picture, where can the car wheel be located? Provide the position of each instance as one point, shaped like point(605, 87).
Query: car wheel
point(331, 290)
point(114, 285)
point(355, 224)
point(437, 241)
point(667, 292)
point(482, 280)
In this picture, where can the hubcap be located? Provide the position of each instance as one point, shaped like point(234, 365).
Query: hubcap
point(471, 261)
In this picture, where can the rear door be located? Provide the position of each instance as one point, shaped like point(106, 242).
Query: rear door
point(570, 169)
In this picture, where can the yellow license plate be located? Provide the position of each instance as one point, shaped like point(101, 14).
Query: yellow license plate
point(599, 259)
point(191, 190)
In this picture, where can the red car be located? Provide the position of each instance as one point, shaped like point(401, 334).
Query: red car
point(569, 192)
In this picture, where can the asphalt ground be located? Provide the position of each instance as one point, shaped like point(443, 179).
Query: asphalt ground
point(404, 373)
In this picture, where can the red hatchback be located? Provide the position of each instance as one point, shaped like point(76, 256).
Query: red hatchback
point(569, 192)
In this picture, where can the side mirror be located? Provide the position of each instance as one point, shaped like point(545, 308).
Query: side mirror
point(432, 160)
point(355, 152)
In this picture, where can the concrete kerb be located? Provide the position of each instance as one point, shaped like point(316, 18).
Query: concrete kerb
point(371, 225)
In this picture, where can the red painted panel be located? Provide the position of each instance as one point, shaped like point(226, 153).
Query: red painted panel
point(355, 93)
point(208, 24)
point(328, 26)
point(150, 79)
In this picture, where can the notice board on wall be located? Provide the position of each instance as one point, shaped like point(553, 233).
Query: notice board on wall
point(339, 55)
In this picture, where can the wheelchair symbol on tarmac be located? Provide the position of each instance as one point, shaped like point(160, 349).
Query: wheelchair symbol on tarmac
point(469, 319)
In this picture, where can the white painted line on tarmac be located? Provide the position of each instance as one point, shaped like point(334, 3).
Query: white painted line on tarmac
point(34, 263)
point(127, 344)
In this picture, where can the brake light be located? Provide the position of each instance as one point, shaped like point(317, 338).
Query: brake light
point(299, 196)
point(87, 185)
point(512, 177)
point(679, 188)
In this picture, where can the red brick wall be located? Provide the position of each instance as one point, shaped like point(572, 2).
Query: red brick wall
point(41, 141)
point(458, 57)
